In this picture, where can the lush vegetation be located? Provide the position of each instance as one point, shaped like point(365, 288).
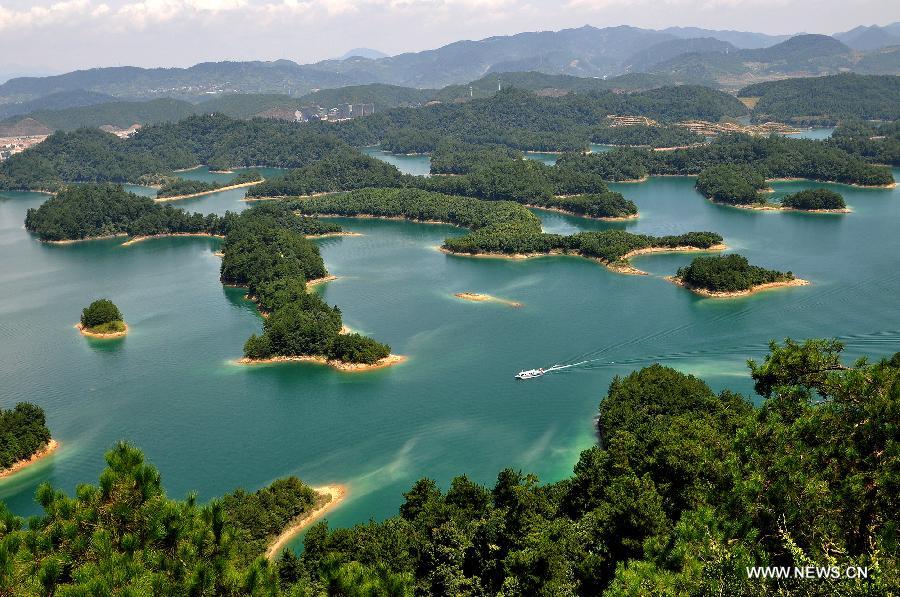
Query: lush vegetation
point(736, 184)
point(525, 121)
point(23, 432)
point(646, 136)
point(826, 100)
point(685, 489)
point(342, 170)
point(114, 113)
point(812, 199)
point(266, 250)
point(498, 176)
point(496, 226)
point(423, 206)
point(102, 317)
point(772, 157)
point(455, 157)
point(727, 273)
point(90, 155)
point(97, 210)
point(177, 187)
point(256, 518)
point(877, 144)
point(526, 181)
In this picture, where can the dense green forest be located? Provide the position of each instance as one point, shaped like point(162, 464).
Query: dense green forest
point(499, 176)
point(90, 155)
point(95, 210)
point(456, 157)
point(113, 113)
point(256, 518)
point(496, 226)
point(736, 184)
point(102, 317)
point(523, 120)
point(266, 251)
point(772, 157)
point(23, 432)
point(879, 144)
point(685, 489)
point(727, 273)
point(813, 199)
point(826, 100)
point(344, 169)
point(423, 206)
point(177, 187)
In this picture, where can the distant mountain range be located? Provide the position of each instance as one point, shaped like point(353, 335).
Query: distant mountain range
point(871, 38)
point(725, 59)
point(363, 53)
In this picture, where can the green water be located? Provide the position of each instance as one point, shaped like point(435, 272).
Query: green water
point(454, 407)
point(814, 133)
point(417, 164)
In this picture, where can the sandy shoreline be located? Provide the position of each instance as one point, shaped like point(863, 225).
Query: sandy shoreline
point(371, 217)
point(84, 332)
point(388, 361)
point(82, 240)
point(209, 192)
point(317, 281)
point(585, 216)
point(890, 185)
point(758, 288)
point(331, 234)
point(51, 447)
point(337, 494)
point(779, 207)
point(478, 297)
point(621, 266)
point(624, 267)
point(139, 239)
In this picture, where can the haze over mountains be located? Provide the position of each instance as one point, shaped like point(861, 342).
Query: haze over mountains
point(723, 59)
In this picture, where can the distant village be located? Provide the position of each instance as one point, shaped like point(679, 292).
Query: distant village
point(315, 112)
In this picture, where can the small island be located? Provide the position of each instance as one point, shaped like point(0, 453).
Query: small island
point(24, 437)
point(816, 200)
point(725, 276)
point(478, 297)
point(102, 319)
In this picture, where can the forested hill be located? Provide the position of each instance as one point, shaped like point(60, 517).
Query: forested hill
point(802, 55)
point(90, 155)
point(826, 100)
point(718, 57)
point(523, 120)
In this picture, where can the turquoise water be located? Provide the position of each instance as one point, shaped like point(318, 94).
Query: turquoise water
point(815, 133)
point(418, 164)
point(550, 158)
point(454, 407)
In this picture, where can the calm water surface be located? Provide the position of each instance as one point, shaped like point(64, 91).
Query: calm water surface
point(453, 408)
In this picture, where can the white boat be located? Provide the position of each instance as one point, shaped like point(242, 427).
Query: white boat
point(529, 374)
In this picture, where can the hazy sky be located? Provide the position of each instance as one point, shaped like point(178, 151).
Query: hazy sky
point(60, 35)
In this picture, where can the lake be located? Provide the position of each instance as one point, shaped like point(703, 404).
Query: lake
point(454, 407)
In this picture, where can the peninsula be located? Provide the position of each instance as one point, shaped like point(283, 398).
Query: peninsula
point(266, 250)
point(24, 438)
point(179, 188)
point(499, 228)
